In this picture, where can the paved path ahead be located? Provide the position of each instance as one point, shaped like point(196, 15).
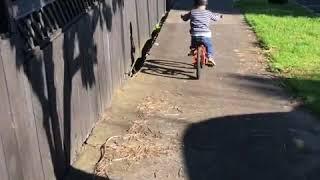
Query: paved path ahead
point(236, 122)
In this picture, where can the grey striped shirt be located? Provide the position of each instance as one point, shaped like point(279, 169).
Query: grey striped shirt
point(200, 21)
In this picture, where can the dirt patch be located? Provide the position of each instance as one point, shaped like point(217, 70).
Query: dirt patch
point(141, 142)
point(160, 105)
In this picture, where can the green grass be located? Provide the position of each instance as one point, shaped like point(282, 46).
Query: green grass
point(291, 34)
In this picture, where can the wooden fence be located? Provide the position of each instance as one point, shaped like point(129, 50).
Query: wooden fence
point(59, 67)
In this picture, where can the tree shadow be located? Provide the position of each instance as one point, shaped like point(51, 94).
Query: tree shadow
point(169, 69)
point(305, 90)
point(75, 174)
point(279, 146)
point(133, 46)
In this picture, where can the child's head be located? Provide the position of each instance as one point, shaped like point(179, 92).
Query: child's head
point(198, 3)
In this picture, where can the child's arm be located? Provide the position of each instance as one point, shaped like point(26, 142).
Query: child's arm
point(215, 16)
point(186, 17)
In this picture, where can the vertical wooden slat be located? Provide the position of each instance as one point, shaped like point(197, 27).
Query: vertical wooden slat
point(20, 101)
point(87, 78)
point(50, 122)
point(114, 63)
point(107, 54)
point(101, 67)
point(121, 42)
point(126, 35)
point(95, 91)
point(80, 81)
point(154, 14)
point(160, 9)
point(98, 40)
point(7, 130)
point(143, 22)
point(149, 5)
point(133, 16)
point(3, 167)
point(72, 57)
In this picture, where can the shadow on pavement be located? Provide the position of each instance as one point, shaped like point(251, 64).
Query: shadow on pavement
point(278, 146)
point(76, 174)
point(169, 69)
point(304, 89)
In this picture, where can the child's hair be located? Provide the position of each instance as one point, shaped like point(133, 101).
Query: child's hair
point(198, 3)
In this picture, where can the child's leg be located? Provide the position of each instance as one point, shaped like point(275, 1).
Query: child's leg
point(193, 42)
point(192, 45)
point(208, 43)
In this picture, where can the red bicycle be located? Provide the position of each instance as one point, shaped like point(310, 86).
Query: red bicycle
point(200, 58)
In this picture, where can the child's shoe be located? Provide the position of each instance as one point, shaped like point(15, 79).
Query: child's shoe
point(211, 61)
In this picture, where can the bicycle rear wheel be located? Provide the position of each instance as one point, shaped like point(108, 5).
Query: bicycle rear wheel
point(199, 60)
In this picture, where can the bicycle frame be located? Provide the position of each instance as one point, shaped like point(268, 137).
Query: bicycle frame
point(203, 55)
point(199, 59)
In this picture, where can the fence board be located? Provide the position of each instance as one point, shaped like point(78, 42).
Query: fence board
point(126, 38)
point(161, 9)
point(95, 105)
point(132, 22)
point(154, 14)
point(102, 68)
point(73, 79)
point(84, 78)
point(22, 115)
point(7, 133)
point(88, 76)
point(99, 76)
point(143, 21)
point(51, 127)
point(107, 71)
point(115, 46)
point(3, 166)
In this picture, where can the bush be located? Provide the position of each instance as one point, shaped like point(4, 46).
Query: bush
point(278, 1)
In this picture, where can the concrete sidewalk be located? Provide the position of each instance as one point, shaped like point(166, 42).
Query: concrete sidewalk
point(236, 122)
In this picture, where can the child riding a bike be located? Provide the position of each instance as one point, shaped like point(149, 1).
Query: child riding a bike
point(200, 19)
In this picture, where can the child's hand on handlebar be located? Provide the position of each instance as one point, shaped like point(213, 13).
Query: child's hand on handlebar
point(185, 17)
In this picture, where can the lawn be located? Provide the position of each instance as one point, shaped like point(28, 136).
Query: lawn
point(291, 37)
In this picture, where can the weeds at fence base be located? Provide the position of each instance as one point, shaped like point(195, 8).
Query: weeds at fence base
point(138, 64)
